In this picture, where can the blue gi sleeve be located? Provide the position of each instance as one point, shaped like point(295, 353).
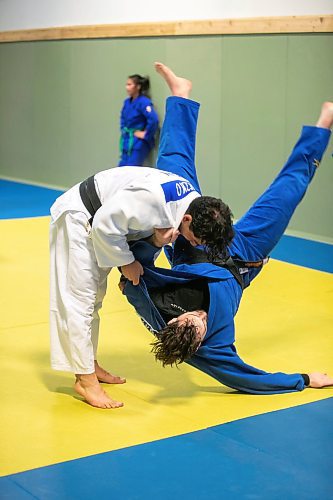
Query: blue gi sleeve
point(224, 364)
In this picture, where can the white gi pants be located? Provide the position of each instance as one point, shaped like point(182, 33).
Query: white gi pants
point(77, 289)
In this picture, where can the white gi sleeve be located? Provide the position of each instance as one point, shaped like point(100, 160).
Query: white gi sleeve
point(128, 213)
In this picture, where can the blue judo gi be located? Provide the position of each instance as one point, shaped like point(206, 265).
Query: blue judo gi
point(256, 234)
point(137, 114)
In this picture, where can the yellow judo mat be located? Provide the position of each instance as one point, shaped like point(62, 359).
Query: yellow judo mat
point(284, 324)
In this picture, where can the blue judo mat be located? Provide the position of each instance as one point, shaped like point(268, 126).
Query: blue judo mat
point(270, 457)
point(18, 200)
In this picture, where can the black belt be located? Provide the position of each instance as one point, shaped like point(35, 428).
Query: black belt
point(90, 197)
point(193, 255)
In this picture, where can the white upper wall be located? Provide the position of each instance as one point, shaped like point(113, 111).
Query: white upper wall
point(32, 14)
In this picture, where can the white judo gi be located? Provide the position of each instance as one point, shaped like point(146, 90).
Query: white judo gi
point(134, 202)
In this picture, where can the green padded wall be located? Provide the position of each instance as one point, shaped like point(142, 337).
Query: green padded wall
point(60, 104)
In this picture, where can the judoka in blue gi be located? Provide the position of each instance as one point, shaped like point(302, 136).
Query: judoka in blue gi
point(138, 123)
point(191, 307)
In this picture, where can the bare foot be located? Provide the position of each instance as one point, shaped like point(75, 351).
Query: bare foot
point(106, 377)
point(325, 119)
point(318, 380)
point(179, 86)
point(90, 389)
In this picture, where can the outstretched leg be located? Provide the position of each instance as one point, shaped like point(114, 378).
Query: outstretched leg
point(260, 229)
point(177, 142)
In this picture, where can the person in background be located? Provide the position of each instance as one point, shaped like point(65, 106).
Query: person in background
point(138, 123)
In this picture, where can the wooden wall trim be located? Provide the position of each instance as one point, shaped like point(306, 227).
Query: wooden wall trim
point(258, 25)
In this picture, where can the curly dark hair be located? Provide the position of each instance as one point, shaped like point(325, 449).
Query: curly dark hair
point(212, 223)
point(176, 343)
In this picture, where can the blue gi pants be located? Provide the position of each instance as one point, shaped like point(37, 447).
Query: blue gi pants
point(176, 151)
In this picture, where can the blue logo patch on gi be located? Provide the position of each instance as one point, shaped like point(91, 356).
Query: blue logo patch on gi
point(176, 190)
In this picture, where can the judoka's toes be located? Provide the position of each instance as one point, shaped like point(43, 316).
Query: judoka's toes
point(112, 379)
point(117, 404)
point(114, 404)
point(107, 377)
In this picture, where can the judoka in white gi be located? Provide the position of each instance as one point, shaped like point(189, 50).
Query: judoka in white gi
point(91, 225)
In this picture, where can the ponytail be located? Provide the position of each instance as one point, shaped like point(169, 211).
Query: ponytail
point(144, 83)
